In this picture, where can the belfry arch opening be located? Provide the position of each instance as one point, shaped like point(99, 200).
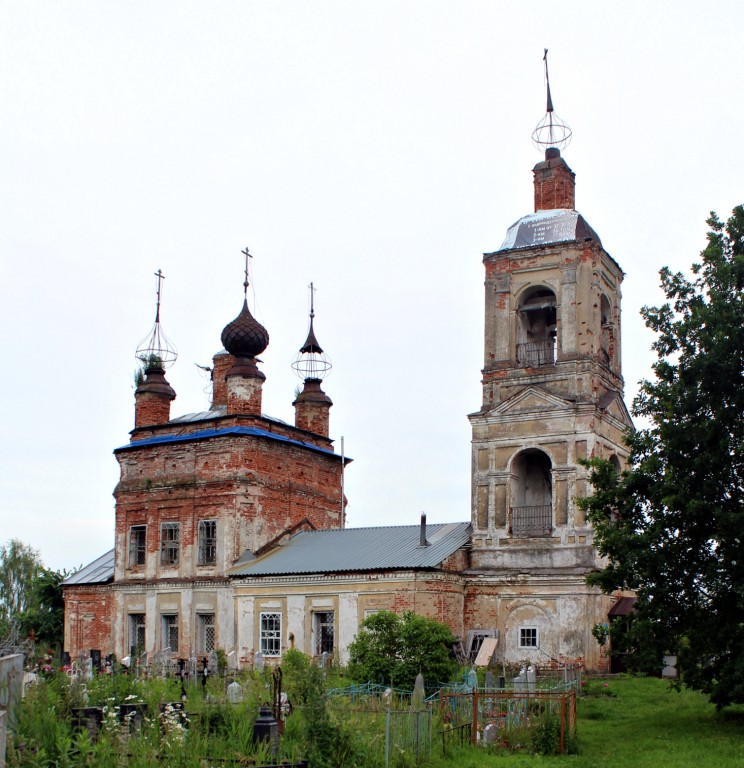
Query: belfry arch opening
point(536, 327)
point(531, 493)
point(607, 334)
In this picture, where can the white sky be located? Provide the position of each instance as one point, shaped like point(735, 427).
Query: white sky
point(376, 148)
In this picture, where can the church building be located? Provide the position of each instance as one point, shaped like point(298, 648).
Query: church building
point(230, 525)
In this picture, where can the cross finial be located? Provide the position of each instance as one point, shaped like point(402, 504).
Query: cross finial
point(312, 301)
point(160, 276)
point(247, 255)
point(547, 81)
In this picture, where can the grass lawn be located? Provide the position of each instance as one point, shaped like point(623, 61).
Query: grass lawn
point(637, 723)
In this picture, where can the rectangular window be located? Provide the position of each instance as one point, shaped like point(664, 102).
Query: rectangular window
point(137, 545)
point(271, 634)
point(136, 634)
point(170, 536)
point(207, 542)
point(205, 632)
point(323, 632)
point(528, 637)
point(169, 637)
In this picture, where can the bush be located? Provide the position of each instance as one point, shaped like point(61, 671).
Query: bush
point(391, 650)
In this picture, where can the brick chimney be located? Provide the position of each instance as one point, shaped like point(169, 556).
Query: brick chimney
point(312, 408)
point(555, 183)
point(152, 399)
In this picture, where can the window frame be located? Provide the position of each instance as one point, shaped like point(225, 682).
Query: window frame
point(170, 546)
point(206, 545)
point(205, 622)
point(270, 638)
point(320, 628)
point(136, 622)
point(137, 548)
point(529, 632)
point(168, 623)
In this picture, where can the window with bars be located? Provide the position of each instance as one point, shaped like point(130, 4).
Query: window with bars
point(170, 538)
point(207, 542)
point(323, 622)
point(528, 637)
point(137, 545)
point(205, 632)
point(271, 634)
point(169, 636)
point(136, 634)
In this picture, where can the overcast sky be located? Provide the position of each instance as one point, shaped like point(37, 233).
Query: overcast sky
point(375, 148)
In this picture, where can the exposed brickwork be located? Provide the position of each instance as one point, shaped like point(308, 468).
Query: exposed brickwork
point(152, 400)
point(555, 185)
point(88, 620)
point(312, 408)
point(221, 364)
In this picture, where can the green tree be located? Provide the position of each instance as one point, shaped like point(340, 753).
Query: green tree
point(672, 524)
point(392, 649)
point(19, 566)
point(45, 614)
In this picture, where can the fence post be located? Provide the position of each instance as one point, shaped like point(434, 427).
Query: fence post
point(474, 734)
point(387, 737)
point(563, 721)
point(3, 726)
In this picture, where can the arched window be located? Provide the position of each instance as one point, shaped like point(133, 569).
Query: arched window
point(531, 510)
point(536, 328)
point(607, 335)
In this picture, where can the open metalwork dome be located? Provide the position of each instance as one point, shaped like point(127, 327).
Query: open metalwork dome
point(551, 131)
point(156, 350)
point(311, 362)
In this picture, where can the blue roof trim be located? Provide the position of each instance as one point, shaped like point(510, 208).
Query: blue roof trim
point(206, 434)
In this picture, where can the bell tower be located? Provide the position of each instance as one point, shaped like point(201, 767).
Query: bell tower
point(552, 381)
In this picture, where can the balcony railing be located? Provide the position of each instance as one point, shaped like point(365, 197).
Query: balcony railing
point(535, 353)
point(532, 521)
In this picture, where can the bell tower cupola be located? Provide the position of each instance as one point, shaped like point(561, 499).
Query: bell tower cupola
point(155, 354)
point(244, 338)
point(312, 405)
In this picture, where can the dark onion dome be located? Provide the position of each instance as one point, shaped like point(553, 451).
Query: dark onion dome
point(552, 226)
point(245, 336)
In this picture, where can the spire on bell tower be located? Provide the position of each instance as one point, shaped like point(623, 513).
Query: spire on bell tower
point(555, 182)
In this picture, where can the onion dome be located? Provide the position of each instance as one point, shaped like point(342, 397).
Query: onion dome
point(245, 336)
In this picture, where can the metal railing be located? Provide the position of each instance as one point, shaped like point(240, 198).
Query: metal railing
point(531, 521)
point(535, 353)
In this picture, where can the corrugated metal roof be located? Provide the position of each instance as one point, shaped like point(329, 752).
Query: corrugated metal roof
point(217, 413)
point(359, 549)
point(98, 572)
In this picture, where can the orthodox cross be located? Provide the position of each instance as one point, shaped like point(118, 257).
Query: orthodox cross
point(312, 301)
point(547, 81)
point(247, 256)
point(160, 276)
